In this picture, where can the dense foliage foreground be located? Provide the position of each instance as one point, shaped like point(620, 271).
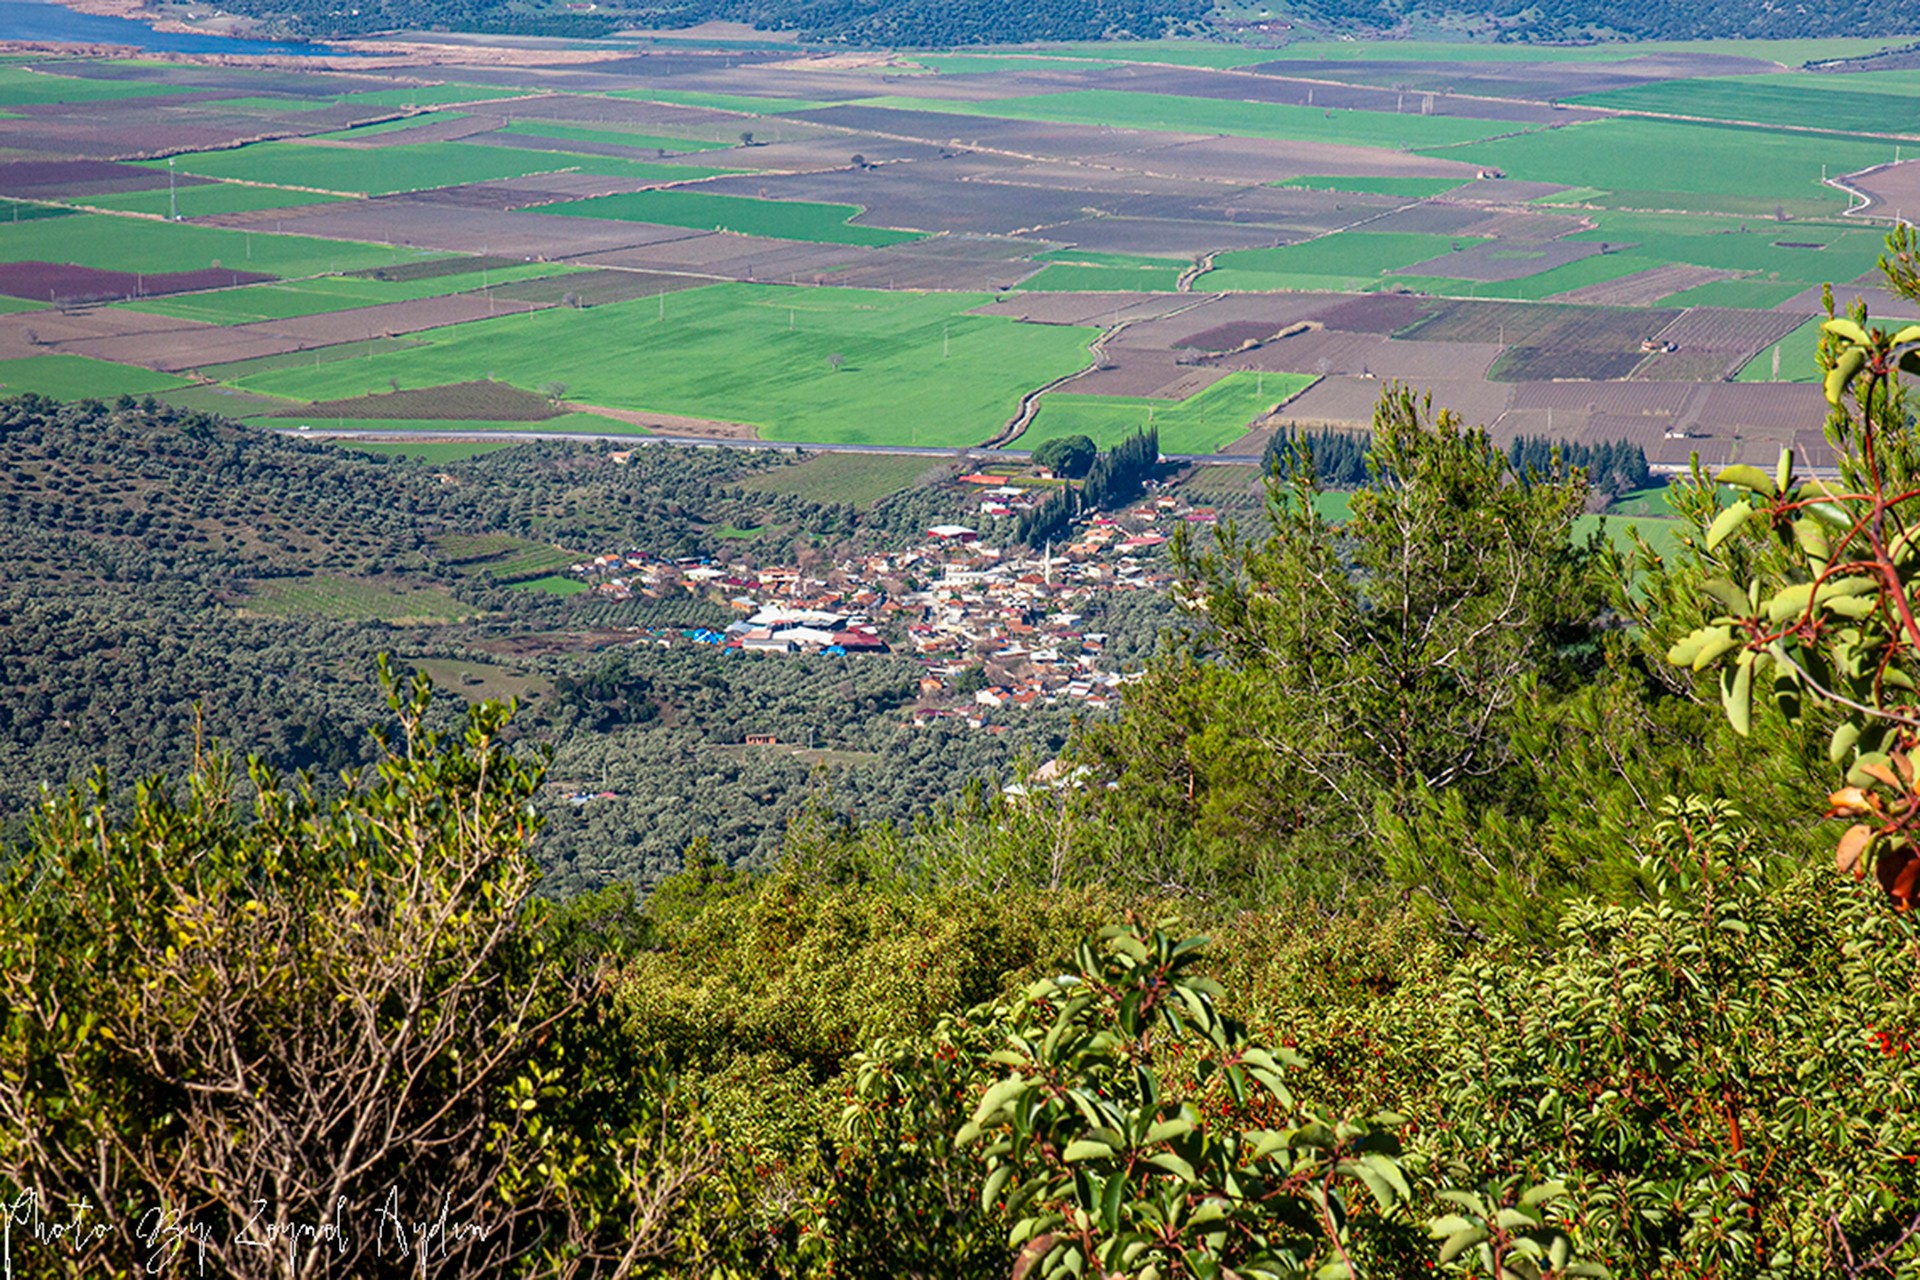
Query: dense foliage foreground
point(1526, 954)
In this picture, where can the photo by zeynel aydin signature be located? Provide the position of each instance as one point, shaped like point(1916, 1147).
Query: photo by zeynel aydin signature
point(173, 1241)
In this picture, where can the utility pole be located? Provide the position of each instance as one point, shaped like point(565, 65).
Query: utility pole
point(173, 198)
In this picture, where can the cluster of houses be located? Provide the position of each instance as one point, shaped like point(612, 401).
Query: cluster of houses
point(992, 627)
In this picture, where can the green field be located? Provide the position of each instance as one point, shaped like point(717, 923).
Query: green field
point(234, 370)
point(1202, 423)
point(270, 106)
point(612, 137)
point(78, 377)
point(1348, 261)
point(1118, 109)
point(1092, 278)
point(743, 215)
point(1819, 101)
point(20, 87)
point(354, 599)
point(1786, 52)
point(375, 171)
point(250, 303)
point(608, 166)
point(1533, 288)
point(1411, 188)
point(141, 244)
point(401, 125)
point(740, 102)
point(1758, 295)
point(553, 585)
point(859, 478)
point(204, 201)
point(747, 353)
point(1660, 164)
point(1797, 352)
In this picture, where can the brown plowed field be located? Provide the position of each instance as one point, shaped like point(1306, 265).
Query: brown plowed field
point(1546, 325)
point(1230, 336)
point(1687, 366)
point(61, 283)
point(1368, 355)
point(1505, 260)
point(1725, 329)
point(1624, 399)
point(1378, 313)
point(1556, 364)
point(38, 178)
point(1138, 373)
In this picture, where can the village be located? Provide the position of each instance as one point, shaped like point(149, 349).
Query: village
point(994, 627)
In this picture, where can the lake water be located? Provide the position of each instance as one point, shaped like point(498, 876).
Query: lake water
point(41, 20)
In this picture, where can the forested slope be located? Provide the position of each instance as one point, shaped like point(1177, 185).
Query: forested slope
point(172, 580)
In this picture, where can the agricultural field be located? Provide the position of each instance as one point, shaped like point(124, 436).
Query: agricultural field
point(831, 365)
point(353, 599)
point(143, 245)
point(1202, 423)
point(372, 172)
point(1115, 109)
point(252, 303)
point(1348, 262)
point(784, 220)
point(607, 136)
point(66, 377)
point(858, 478)
point(1507, 242)
point(204, 199)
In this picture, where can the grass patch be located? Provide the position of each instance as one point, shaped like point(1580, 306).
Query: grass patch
point(354, 599)
point(1202, 423)
point(137, 244)
point(250, 303)
point(612, 137)
point(1349, 259)
point(1777, 99)
point(1807, 253)
point(1073, 277)
point(27, 211)
point(782, 219)
point(734, 533)
point(1411, 188)
point(67, 377)
point(1659, 164)
point(234, 370)
point(477, 680)
point(207, 200)
point(553, 585)
point(858, 478)
point(752, 353)
point(359, 131)
point(1119, 109)
point(421, 166)
point(1797, 352)
point(20, 87)
point(1757, 295)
